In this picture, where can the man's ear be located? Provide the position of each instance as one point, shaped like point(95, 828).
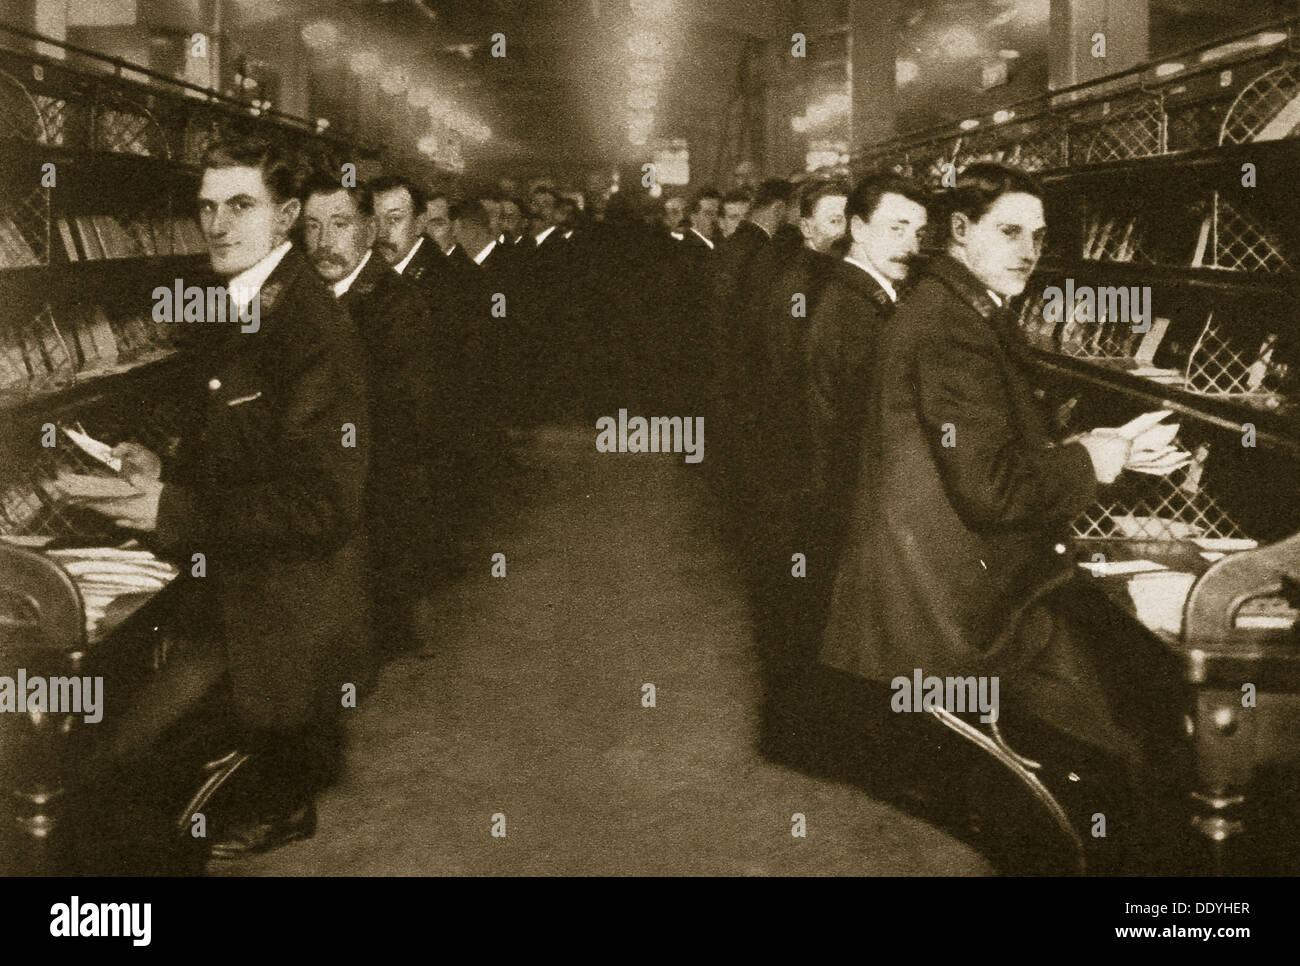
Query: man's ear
point(858, 229)
point(289, 213)
point(958, 225)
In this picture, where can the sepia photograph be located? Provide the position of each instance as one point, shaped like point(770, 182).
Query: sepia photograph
point(650, 439)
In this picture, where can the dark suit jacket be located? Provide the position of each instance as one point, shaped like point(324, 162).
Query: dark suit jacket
point(843, 329)
point(785, 421)
point(264, 488)
point(732, 337)
point(950, 547)
point(395, 325)
point(427, 266)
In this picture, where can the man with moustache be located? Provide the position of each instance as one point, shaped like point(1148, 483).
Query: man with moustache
point(267, 484)
point(885, 215)
point(400, 240)
point(395, 326)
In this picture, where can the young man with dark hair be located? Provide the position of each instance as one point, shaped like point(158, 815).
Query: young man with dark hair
point(395, 325)
point(545, 207)
point(400, 240)
point(267, 485)
point(949, 566)
point(704, 210)
point(437, 222)
point(512, 222)
point(736, 205)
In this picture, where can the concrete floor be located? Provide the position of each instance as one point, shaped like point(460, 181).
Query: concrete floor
point(527, 701)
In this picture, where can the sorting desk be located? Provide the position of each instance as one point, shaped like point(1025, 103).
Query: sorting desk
point(46, 632)
point(1240, 665)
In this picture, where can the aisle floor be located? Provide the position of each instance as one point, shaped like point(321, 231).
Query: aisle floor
point(527, 701)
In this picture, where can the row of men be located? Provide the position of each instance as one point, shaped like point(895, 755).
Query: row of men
point(895, 483)
point(324, 458)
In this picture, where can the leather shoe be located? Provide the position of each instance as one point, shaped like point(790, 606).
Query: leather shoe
point(258, 835)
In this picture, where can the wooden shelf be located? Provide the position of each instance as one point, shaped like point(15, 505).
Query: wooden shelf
point(1279, 431)
point(17, 404)
point(1222, 281)
point(41, 277)
point(1274, 161)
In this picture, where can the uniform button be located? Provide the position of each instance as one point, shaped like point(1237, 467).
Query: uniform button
point(214, 384)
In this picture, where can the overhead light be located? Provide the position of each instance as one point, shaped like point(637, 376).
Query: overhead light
point(320, 33)
point(969, 124)
point(1173, 67)
point(1001, 117)
point(646, 45)
point(1006, 54)
point(364, 62)
point(645, 73)
point(958, 42)
point(1269, 37)
point(642, 99)
point(395, 81)
point(651, 9)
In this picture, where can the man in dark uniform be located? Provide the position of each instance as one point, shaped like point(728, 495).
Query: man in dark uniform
point(268, 486)
point(949, 565)
point(786, 608)
point(395, 326)
point(885, 215)
point(400, 239)
point(732, 334)
point(806, 707)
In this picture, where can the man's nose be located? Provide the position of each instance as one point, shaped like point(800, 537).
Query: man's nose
point(219, 224)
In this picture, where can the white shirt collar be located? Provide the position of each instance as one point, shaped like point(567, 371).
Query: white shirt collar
point(400, 267)
point(538, 239)
point(343, 284)
point(244, 286)
point(487, 250)
point(702, 238)
point(997, 299)
point(883, 282)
